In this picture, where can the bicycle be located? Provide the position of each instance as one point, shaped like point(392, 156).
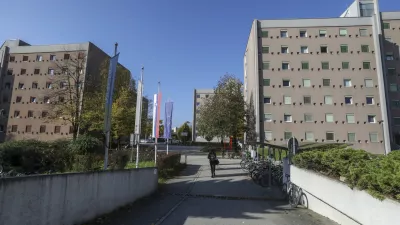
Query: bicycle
point(295, 194)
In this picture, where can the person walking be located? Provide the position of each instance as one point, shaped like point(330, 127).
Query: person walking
point(212, 157)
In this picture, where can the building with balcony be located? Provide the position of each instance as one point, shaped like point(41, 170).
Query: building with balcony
point(329, 80)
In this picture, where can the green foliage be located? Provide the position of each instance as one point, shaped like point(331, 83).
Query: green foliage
point(85, 145)
point(184, 128)
point(377, 174)
point(119, 159)
point(123, 114)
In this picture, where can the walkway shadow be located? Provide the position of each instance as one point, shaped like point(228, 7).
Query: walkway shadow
point(231, 175)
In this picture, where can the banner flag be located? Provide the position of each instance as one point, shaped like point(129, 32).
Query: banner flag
point(169, 106)
point(155, 103)
point(110, 90)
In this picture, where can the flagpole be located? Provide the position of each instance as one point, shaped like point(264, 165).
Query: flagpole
point(140, 117)
point(107, 121)
point(157, 124)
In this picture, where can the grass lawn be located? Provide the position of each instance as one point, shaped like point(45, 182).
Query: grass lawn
point(163, 174)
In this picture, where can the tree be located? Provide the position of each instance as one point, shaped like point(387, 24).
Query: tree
point(251, 134)
point(206, 121)
point(161, 129)
point(123, 115)
point(65, 96)
point(224, 114)
point(185, 128)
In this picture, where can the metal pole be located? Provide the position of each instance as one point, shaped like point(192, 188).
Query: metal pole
point(167, 145)
point(157, 121)
point(137, 155)
point(107, 133)
point(140, 117)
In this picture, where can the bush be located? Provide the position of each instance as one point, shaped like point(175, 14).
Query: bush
point(377, 174)
point(119, 159)
point(87, 153)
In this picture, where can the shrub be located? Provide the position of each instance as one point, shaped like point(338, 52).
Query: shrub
point(86, 150)
point(378, 175)
point(119, 159)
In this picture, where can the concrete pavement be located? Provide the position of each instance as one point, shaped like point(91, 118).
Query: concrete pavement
point(194, 198)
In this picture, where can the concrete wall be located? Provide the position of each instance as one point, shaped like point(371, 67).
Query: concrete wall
point(71, 198)
point(335, 200)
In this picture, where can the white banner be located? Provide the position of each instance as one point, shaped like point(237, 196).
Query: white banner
point(139, 100)
point(155, 103)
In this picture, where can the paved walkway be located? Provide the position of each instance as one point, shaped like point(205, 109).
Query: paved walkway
point(194, 198)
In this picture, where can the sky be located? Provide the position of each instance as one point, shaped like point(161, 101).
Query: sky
point(184, 44)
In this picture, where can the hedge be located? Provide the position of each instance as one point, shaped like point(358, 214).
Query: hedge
point(379, 175)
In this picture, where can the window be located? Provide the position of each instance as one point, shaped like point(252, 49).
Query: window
point(286, 83)
point(342, 32)
point(28, 128)
point(39, 58)
point(324, 49)
point(36, 71)
point(391, 71)
point(328, 100)
point(65, 70)
point(345, 65)
point(351, 137)
point(393, 87)
point(7, 85)
point(309, 136)
point(268, 135)
point(16, 114)
point(266, 82)
point(329, 117)
point(268, 117)
point(42, 129)
point(322, 33)
point(386, 25)
point(46, 100)
point(284, 34)
point(21, 86)
point(371, 119)
point(284, 49)
point(325, 65)
point(30, 114)
point(5, 98)
point(350, 118)
point(44, 114)
point(389, 56)
point(10, 72)
point(50, 71)
point(265, 49)
point(363, 32)
point(366, 9)
point(373, 137)
point(396, 121)
point(81, 55)
point(63, 84)
point(308, 117)
point(12, 58)
point(66, 56)
point(18, 99)
point(306, 82)
point(330, 136)
point(14, 128)
point(364, 48)
point(369, 100)
point(71, 129)
point(307, 100)
point(287, 100)
point(285, 66)
point(348, 100)
point(344, 48)
point(52, 57)
point(265, 65)
point(303, 33)
point(57, 129)
point(287, 118)
point(347, 82)
point(366, 65)
point(264, 33)
point(197, 103)
point(267, 100)
point(304, 49)
point(25, 58)
point(396, 103)
point(326, 82)
point(33, 99)
point(304, 65)
point(369, 83)
point(34, 85)
point(287, 135)
point(49, 86)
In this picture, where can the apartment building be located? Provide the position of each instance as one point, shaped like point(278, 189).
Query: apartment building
point(329, 80)
point(199, 97)
point(28, 74)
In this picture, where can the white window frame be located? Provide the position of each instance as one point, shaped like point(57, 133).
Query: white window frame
point(287, 100)
point(304, 49)
point(268, 117)
point(347, 83)
point(305, 33)
point(284, 81)
point(305, 81)
point(267, 97)
point(284, 49)
point(285, 32)
point(369, 83)
point(329, 132)
point(350, 118)
point(351, 100)
point(342, 32)
point(373, 117)
point(322, 33)
point(285, 63)
point(329, 117)
point(268, 135)
point(287, 118)
point(328, 100)
point(348, 136)
point(305, 116)
point(361, 33)
point(372, 98)
point(370, 137)
point(309, 136)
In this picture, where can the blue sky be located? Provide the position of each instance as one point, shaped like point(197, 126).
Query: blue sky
point(184, 44)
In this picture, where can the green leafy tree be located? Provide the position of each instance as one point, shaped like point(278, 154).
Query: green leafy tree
point(185, 128)
point(161, 128)
point(251, 134)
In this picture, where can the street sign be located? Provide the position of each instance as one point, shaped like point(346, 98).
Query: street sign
point(184, 134)
point(293, 145)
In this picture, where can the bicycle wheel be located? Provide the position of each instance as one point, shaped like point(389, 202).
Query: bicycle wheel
point(243, 163)
point(284, 188)
point(264, 180)
point(293, 200)
point(303, 200)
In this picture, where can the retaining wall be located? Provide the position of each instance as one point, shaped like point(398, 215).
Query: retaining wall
point(71, 198)
point(335, 200)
